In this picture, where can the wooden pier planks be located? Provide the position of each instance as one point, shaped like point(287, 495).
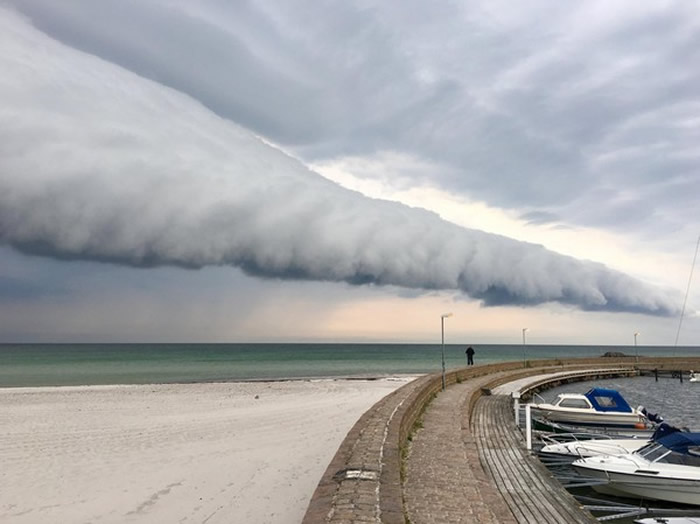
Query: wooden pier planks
point(530, 491)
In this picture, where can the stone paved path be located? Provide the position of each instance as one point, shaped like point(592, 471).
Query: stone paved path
point(444, 480)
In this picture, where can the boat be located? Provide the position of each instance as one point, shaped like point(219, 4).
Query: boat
point(577, 445)
point(666, 469)
point(694, 376)
point(599, 407)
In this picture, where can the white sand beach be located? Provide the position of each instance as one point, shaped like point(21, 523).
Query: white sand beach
point(188, 453)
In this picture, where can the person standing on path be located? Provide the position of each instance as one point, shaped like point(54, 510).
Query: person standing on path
point(470, 356)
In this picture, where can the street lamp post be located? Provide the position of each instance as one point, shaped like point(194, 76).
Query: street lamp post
point(442, 326)
point(636, 351)
point(524, 342)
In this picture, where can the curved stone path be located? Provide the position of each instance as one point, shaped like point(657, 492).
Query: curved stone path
point(445, 482)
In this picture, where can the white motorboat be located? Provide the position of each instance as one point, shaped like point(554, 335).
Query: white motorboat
point(667, 468)
point(575, 446)
point(598, 407)
point(694, 376)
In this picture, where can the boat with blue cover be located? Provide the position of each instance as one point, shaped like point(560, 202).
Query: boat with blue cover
point(599, 407)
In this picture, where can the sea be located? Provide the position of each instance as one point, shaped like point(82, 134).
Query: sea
point(98, 364)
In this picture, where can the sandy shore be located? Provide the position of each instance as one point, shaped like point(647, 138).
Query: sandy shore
point(187, 453)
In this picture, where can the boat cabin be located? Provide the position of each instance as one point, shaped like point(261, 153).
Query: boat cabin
point(598, 399)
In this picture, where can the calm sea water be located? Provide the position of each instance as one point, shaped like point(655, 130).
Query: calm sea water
point(78, 364)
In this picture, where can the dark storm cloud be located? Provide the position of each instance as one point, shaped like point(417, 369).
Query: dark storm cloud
point(100, 164)
point(510, 110)
point(188, 54)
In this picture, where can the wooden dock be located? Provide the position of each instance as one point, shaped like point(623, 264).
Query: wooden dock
point(530, 491)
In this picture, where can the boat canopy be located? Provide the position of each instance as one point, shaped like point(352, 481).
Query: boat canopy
point(681, 442)
point(608, 400)
point(663, 430)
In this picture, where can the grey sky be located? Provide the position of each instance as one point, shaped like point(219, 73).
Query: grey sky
point(600, 97)
point(588, 119)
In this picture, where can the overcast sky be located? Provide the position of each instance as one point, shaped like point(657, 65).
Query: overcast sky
point(229, 171)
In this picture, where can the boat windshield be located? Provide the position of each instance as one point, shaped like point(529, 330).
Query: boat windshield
point(652, 451)
point(655, 452)
point(579, 403)
point(683, 459)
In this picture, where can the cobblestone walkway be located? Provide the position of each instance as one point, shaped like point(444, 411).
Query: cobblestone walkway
point(444, 480)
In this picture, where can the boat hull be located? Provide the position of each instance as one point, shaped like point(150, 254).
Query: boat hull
point(554, 427)
point(654, 487)
point(593, 447)
point(591, 418)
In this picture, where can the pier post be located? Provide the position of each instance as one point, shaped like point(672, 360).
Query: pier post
point(656, 374)
point(516, 407)
point(528, 427)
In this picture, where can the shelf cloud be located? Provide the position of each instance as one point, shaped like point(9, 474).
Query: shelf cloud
point(98, 163)
point(591, 119)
